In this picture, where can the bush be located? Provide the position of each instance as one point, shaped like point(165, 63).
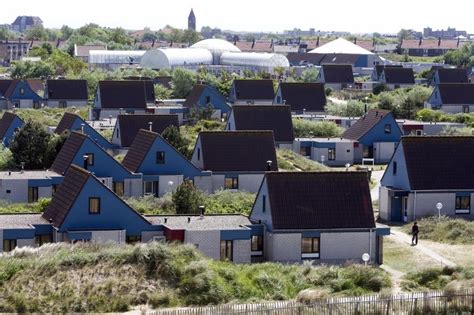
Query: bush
point(445, 230)
point(308, 129)
point(349, 109)
point(187, 198)
point(379, 88)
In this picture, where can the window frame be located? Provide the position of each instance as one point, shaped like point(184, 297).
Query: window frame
point(314, 252)
point(234, 183)
point(226, 250)
point(387, 129)
point(458, 204)
point(256, 240)
point(331, 154)
point(33, 194)
point(90, 159)
point(120, 185)
point(133, 239)
point(160, 157)
point(42, 239)
point(12, 244)
point(91, 199)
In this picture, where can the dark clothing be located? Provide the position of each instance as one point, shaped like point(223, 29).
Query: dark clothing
point(414, 232)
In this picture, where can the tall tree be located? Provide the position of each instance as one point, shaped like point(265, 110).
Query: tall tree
point(30, 146)
point(182, 82)
point(187, 198)
point(172, 135)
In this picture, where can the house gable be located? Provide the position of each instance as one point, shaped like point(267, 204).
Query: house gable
point(261, 210)
point(377, 132)
point(211, 96)
point(9, 124)
point(396, 174)
point(28, 94)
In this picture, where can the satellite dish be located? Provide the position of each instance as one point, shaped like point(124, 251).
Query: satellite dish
point(365, 257)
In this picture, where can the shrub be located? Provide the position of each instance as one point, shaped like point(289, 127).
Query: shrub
point(307, 128)
point(445, 230)
point(379, 88)
point(187, 198)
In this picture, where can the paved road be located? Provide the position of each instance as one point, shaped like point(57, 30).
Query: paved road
point(377, 176)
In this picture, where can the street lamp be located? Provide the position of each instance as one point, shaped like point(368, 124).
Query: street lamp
point(439, 206)
point(269, 165)
point(323, 158)
point(347, 167)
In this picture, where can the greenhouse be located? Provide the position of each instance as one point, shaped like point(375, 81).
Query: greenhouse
point(217, 47)
point(173, 57)
point(115, 58)
point(252, 59)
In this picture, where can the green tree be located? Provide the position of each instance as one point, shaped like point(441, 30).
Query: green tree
point(66, 32)
point(55, 145)
point(28, 70)
point(190, 37)
point(36, 33)
point(187, 198)
point(63, 63)
point(182, 82)
point(172, 135)
point(349, 109)
point(309, 75)
point(30, 146)
point(5, 33)
point(454, 131)
point(162, 93)
point(307, 129)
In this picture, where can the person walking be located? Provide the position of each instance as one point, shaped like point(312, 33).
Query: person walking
point(414, 233)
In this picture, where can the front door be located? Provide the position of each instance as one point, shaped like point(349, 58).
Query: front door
point(368, 152)
point(396, 209)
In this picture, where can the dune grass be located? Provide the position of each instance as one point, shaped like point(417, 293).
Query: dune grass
point(291, 161)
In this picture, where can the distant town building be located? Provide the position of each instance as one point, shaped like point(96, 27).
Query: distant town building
point(22, 23)
point(192, 21)
point(296, 32)
point(450, 33)
point(13, 50)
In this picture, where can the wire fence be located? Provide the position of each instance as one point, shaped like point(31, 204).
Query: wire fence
point(435, 302)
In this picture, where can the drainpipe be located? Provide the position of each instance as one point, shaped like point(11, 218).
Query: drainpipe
point(370, 244)
point(414, 208)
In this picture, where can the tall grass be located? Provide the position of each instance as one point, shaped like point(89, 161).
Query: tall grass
point(445, 230)
point(111, 278)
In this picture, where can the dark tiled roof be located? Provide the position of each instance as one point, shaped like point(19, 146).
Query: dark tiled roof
point(193, 97)
point(139, 149)
point(238, 151)
point(66, 122)
point(397, 75)
point(131, 124)
point(264, 117)
point(66, 195)
point(308, 96)
point(457, 75)
point(456, 93)
point(340, 58)
point(254, 89)
point(66, 90)
point(37, 85)
point(163, 81)
point(337, 73)
point(68, 151)
point(4, 85)
point(296, 58)
point(320, 200)
point(5, 123)
point(439, 162)
point(365, 123)
point(9, 91)
point(379, 68)
point(431, 44)
point(123, 94)
point(84, 50)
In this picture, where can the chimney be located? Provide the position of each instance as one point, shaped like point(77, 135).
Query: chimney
point(110, 119)
point(317, 42)
point(22, 167)
point(202, 210)
point(253, 44)
point(51, 220)
point(189, 219)
point(439, 41)
point(269, 165)
point(150, 126)
point(82, 128)
point(421, 40)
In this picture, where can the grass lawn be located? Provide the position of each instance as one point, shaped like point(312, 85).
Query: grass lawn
point(291, 161)
point(49, 116)
point(461, 254)
point(404, 258)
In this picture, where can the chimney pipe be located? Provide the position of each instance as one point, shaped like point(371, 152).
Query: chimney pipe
point(150, 126)
point(82, 128)
point(439, 41)
point(189, 219)
point(269, 165)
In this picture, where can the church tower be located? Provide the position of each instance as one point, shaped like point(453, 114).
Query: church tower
point(192, 21)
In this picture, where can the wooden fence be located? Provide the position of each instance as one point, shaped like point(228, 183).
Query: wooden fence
point(437, 302)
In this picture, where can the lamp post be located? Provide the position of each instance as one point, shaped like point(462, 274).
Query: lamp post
point(269, 165)
point(439, 206)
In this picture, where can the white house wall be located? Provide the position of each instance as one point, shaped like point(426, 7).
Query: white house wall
point(345, 246)
point(250, 182)
point(133, 187)
point(284, 247)
point(241, 251)
point(69, 103)
point(206, 241)
point(18, 190)
point(203, 183)
point(115, 236)
point(163, 184)
point(25, 242)
point(383, 151)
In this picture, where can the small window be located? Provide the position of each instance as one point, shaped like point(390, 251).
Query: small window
point(160, 157)
point(62, 104)
point(43, 239)
point(419, 132)
point(94, 205)
point(226, 250)
point(32, 194)
point(199, 154)
point(264, 203)
point(394, 168)
point(331, 154)
point(119, 188)
point(9, 245)
point(150, 187)
point(388, 128)
point(132, 239)
point(22, 91)
point(463, 204)
point(89, 159)
point(208, 100)
point(310, 247)
point(232, 183)
point(465, 109)
point(257, 243)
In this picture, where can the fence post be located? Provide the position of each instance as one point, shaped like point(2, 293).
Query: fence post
point(415, 306)
point(388, 306)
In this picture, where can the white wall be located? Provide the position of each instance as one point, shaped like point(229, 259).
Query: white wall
point(206, 241)
point(383, 151)
point(250, 182)
point(345, 246)
point(26, 242)
point(203, 183)
point(241, 253)
point(115, 236)
point(133, 187)
point(284, 247)
point(69, 103)
point(164, 187)
point(18, 190)
point(218, 182)
point(147, 236)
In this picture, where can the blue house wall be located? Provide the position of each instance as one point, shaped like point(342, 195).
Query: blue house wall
point(174, 164)
point(377, 133)
point(16, 124)
point(28, 93)
point(104, 164)
point(114, 214)
point(362, 61)
point(217, 100)
point(400, 178)
point(92, 133)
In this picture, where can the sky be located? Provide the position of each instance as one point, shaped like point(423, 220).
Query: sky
point(362, 16)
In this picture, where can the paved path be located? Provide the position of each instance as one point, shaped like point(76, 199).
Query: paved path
point(337, 101)
point(374, 192)
point(401, 237)
point(396, 278)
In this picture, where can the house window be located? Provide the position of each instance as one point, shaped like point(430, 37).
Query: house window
point(160, 157)
point(463, 204)
point(22, 91)
point(264, 203)
point(9, 245)
point(394, 169)
point(208, 100)
point(419, 132)
point(331, 154)
point(310, 247)
point(305, 151)
point(43, 239)
point(119, 188)
point(32, 194)
point(226, 250)
point(90, 159)
point(62, 104)
point(36, 104)
point(150, 187)
point(257, 243)
point(465, 109)
point(118, 133)
point(94, 205)
point(388, 128)
point(199, 154)
point(132, 239)
point(232, 183)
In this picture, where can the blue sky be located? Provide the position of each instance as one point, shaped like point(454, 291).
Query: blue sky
point(250, 15)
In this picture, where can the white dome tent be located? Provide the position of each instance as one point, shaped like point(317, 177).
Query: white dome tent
point(173, 57)
point(341, 46)
point(252, 59)
point(217, 47)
